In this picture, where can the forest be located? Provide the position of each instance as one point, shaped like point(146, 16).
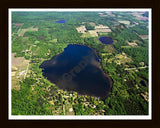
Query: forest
point(38, 37)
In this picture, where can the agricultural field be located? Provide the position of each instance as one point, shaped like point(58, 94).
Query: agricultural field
point(19, 66)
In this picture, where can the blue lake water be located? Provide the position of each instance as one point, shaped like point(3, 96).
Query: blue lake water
point(106, 40)
point(78, 69)
point(61, 21)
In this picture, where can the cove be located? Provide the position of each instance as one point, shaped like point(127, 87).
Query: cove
point(78, 69)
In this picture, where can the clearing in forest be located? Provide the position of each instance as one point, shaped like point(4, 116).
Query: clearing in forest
point(19, 65)
point(93, 33)
point(101, 28)
point(90, 33)
point(122, 58)
point(81, 29)
point(18, 24)
point(92, 23)
point(138, 15)
point(126, 22)
point(110, 14)
point(110, 49)
point(144, 36)
point(21, 32)
point(134, 44)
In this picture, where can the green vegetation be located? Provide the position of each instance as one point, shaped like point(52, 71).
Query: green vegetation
point(38, 96)
point(89, 27)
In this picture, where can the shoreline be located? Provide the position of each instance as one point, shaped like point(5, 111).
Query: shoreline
point(99, 66)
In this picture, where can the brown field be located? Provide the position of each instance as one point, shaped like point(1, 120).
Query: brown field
point(144, 36)
point(139, 16)
point(83, 22)
point(86, 34)
point(81, 29)
point(18, 24)
point(16, 61)
point(90, 33)
point(93, 24)
point(132, 43)
point(110, 14)
point(28, 29)
point(18, 68)
point(101, 28)
point(93, 33)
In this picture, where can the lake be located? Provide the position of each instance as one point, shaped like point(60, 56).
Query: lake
point(78, 69)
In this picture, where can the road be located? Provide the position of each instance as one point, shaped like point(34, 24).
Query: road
point(28, 62)
point(135, 68)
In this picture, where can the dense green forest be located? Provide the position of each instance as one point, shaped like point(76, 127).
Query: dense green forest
point(37, 37)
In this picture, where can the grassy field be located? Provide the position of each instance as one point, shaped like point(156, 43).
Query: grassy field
point(20, 31)
point(102, 34)
point(122, 58)
point(19, 65)
point(87, 34)
point(110, 49)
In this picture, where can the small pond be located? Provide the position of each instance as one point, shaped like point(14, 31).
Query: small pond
point(61, 21)
point(106, 40)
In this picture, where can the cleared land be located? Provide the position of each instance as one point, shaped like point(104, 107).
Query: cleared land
point(101, 28)
point(134, 44)
point(92, 23)
point(144, 36)
point(21, 32)
point(139, 16)
point(122, 58)
point(110, 14)
point(110, 49)
point(119, 59)
point(93, 33)
point(86, 34)
point(81, 29)
point(18, 24)
point(19, 64)
point(124, 22)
